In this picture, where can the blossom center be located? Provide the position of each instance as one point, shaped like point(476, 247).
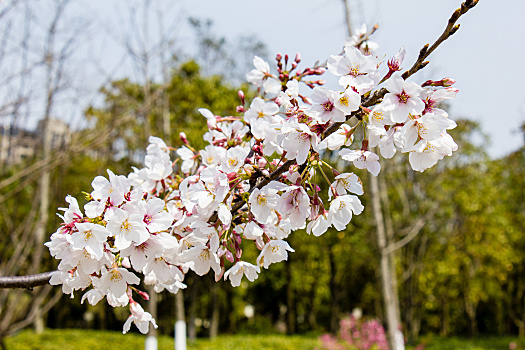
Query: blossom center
point(327, 106)
point(403, 97)
point(115, 276)
point(378, 116)
point(232, 162)
point(261, 200)
point(344, 101)
point(354, 69)
point(126, 226)
point(204, 255)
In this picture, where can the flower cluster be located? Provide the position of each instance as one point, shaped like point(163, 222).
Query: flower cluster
point(357, 334)
point(254, 183)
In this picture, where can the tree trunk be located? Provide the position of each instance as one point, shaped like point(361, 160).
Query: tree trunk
point(43, 214)
point(389, 294)
point(334, 314)
point(470, 308)
point(214, 324)
point(180, 325)
point(290, 299)
point(151, 340)
point(445, 318)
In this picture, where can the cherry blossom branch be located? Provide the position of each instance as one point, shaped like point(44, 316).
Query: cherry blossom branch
point(27, 282)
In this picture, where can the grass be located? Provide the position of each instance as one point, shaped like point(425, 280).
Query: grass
point(480, 343)
point(76, 339)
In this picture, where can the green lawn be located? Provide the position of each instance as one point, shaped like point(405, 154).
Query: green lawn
point(481, 343)
point(73, 339)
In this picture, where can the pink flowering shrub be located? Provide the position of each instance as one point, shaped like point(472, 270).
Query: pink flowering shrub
point(357, 334)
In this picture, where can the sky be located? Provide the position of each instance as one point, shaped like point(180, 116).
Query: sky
point(484, 56)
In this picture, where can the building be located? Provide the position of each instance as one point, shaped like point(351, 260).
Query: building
point(17, 144)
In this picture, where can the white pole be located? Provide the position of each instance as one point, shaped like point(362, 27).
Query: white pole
point(151, 342)
point(180, 335)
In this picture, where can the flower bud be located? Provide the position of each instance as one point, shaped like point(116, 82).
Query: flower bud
point(229, 256)
point(447, 82)
point(183, 138)
point(262, 162)
point(279, 57)
point(239, 109)
point(241, 96)
point(142, 294)
point(238, 253)
point(298, 57)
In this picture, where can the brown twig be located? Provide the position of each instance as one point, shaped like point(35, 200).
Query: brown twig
point(27, 282)
point(447, 33)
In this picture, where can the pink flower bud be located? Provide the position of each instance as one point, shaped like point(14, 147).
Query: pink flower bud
point(238, 253)
point(298, 57)
point(229, 256)
point(183, 138)
point(447, 82)
point(241, 96)
point(262, 162)
point(239, 109)
point(142, 294)
point(279, 57)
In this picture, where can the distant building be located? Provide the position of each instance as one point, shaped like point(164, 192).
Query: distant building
point(18, 144)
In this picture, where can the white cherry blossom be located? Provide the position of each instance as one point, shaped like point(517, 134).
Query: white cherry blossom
point(140, 318)
point(241, 268)
point(273, 252)
point(362, 160)
point(341, 210)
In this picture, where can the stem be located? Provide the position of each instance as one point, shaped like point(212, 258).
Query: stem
point(27, 282)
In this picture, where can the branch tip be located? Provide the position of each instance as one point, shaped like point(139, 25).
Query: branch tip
point(454, 30)
point(423, 50)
